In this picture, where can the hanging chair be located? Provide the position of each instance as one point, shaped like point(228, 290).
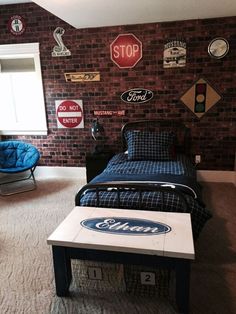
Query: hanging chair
point(18, 161)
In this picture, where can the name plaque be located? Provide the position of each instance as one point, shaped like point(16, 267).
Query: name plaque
point(125, 226)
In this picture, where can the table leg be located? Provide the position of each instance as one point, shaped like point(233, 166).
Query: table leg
point(182, 286)
point(62, 270)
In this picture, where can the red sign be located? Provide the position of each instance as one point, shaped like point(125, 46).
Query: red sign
point(117, 113)
point(69, 113)
point(126, 50)
point(16, 25)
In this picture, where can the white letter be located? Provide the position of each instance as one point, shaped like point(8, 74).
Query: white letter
point(116, 52)
point(135, 49)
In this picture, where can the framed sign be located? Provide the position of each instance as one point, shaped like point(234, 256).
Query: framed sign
point(16, 25)
point(69, 114)
point(174, 54)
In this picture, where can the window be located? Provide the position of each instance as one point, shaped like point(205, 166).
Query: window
point(22, 108)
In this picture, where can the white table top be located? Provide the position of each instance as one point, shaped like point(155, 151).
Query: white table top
point(177, 242)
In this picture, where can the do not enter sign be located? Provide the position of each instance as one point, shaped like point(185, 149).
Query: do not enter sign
point(69, 113)
point(126, 50)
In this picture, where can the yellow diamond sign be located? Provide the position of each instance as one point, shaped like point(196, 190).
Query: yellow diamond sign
point(200, 97)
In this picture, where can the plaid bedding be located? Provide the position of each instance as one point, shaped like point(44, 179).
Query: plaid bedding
point(150, 200)
point(120, 164)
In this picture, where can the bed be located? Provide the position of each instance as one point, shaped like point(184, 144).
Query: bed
point(153, 172)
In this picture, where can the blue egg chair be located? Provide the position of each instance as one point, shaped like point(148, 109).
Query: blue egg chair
point(18, 161)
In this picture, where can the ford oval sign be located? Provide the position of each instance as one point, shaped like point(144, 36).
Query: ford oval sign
point(125, 226)
point(137, 95)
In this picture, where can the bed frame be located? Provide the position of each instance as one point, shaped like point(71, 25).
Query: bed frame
point(118, 187)
point(183, 146)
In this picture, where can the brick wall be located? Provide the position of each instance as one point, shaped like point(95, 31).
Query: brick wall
point(213, 135)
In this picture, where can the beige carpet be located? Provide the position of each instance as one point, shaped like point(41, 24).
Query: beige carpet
point(26, 276)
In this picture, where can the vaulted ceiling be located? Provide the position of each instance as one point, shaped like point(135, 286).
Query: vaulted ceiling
point(98, 13)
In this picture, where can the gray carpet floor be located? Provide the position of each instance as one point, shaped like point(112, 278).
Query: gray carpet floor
point(26, 276)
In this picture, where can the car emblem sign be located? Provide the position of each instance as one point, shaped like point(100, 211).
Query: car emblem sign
point(137, 95)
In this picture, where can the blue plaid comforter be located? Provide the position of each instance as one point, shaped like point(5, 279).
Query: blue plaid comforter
point(120, 164)
point(179, 173)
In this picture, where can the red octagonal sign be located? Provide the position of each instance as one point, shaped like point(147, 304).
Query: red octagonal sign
point(126, 50)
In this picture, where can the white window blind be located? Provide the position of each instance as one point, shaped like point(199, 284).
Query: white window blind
point(22, 108)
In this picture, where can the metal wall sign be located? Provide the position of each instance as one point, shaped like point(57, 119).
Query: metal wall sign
point(200, 97)
point(127, 226)
point(126, 50)
point(137, 95)
point(105, 113)
point(82, 77)
point(69, 114)
point(60, 50)
point(174, 54)
point(16, 25)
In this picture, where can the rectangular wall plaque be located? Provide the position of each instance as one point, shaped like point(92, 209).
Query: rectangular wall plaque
point(109, 113)
point(82, 77)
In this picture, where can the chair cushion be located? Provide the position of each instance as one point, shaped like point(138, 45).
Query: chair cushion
point(17, 156)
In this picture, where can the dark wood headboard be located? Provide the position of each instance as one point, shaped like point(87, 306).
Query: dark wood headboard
point(183, 136)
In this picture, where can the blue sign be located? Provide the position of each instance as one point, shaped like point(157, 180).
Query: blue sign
point(125, 226)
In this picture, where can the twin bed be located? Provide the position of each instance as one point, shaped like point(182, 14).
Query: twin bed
point(154, 172)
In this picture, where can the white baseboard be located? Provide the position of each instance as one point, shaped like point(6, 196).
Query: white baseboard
point(80, 173)
point(60, 172)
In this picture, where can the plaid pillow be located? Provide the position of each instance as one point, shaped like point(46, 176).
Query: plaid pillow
point(143, 145)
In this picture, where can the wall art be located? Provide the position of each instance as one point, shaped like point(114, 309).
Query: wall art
point(104, 113)
point(126, 50)
point(218, 48)
point(69, 114)
point(200, 97)
point(137, 95)
point(174, 54)
point(16, 25)
point(82, 77)
point(60, 50)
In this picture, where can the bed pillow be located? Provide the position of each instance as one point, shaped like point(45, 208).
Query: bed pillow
point(144, 145)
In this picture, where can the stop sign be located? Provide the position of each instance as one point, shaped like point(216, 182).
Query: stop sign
point(126, 50)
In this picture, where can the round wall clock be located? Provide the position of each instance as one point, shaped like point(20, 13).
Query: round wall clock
point(218, 48)
point(16, 25)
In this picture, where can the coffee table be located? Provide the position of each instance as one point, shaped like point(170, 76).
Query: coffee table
point(157, 239)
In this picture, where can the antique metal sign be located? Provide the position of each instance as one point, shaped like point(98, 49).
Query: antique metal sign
point(137, 95)
point(200, 97)
point(174, 54)
point(69, 114)
point(127, 226)
point(60, 50)
point(126, 50)
point(109, 113)
point(16, 25)
point(82, 77)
